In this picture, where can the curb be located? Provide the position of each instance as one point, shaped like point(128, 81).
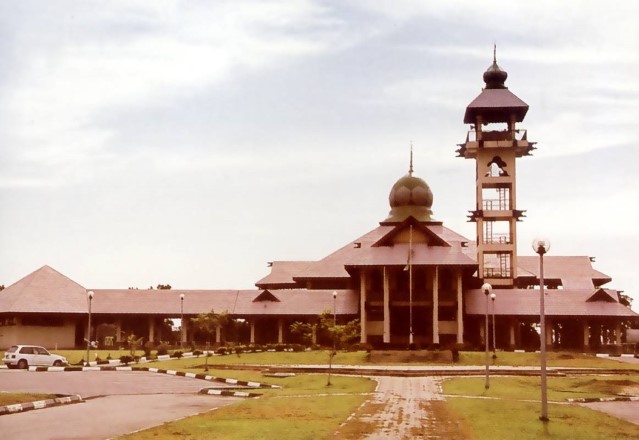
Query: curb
point(605, 399)
point(29, 406)
point(226, 393)
point(158, 370)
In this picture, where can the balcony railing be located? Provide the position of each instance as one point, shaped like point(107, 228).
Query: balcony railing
point(496, 135)
point(495, 205)
point(500, 238)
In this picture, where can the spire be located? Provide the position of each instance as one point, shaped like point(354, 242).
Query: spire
point(494, 53)
point(494, 77)
point(410, 169)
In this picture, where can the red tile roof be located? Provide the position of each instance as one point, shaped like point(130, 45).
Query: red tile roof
point(282, 273)
point(557, 302)
point(575, 272)
point(44, 291)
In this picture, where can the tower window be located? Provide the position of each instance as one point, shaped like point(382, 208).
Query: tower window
point(496, 168)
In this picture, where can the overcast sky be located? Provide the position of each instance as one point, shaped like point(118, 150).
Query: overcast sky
point(189, 143)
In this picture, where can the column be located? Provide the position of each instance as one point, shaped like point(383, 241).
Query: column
point(482, 331)
point(252, 322)
point(512, 322)
point(618, 333)
point(387, 335)
point(218, 334)
point(362, 306)
point(151, 328)
point(586, 333)
point(314, 334)
point(436, 306)
point(184, 330)
point(549, 330)
point(460, 308)
point(280, 331)
point(118, 331)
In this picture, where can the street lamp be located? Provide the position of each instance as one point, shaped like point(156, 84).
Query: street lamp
point(182, 320)
point(486, 288)
point(330, 358)
point(541, 246)
point(89, 299)
point(492, 300)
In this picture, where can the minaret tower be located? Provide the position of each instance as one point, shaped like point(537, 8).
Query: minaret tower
point(495, 143)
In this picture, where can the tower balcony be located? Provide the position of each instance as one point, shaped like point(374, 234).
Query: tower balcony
point(475, 140)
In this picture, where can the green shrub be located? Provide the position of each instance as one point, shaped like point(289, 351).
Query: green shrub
point(162, 349)
point(126, 359)
point(177, 354)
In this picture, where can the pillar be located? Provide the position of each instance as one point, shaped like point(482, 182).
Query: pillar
point(118, 331)
point(436, 306)
point(362, 306)
point(460, 309)
point(184, 330)
point(314, 335)
point(512, 323)
point(387, 335)
point(151, 328)
point(218, 334)
point(252, 323)
point(549, 331)
point(618, 333)
point(586, 329)
point(482, 331)
point(280, 331)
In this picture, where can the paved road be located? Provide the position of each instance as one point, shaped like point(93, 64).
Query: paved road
point(119, 403)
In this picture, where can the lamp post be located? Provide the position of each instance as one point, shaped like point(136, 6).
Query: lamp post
point(89, 299)
point(330, 358)
point(486, 288)
point(492, 300)
point(541, 246)
point(181, 320)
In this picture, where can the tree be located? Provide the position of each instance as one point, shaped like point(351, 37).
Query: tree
point(164, 287)
point(1, 286)
point(344, 335)
point(208, 322)
point(303, 331)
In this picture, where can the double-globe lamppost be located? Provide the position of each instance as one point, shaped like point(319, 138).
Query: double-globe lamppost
point(541, 247)
point(89, 300)
point(492, 300)
point(486, 288)
point(182, 320)
point(330, 357)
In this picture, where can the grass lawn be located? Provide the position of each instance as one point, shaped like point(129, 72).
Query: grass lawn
point(555, 359)
point(14, 398)
point(304, 409)
point(506, 414)
point(559, 388)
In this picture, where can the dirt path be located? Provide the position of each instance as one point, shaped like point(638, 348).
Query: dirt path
point(403, 408)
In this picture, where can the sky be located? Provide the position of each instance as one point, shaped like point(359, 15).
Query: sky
point(190, 143)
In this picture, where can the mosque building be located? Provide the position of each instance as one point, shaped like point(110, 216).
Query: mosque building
point(410, 281)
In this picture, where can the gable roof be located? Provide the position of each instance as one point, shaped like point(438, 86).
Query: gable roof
point(44, 290)
point(575, 272)
point(282, 273)
point(557, 302)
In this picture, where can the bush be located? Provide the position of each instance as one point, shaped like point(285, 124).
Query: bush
point(239, 349)
point(147, 349)
point(162, 350)
point(126, 359)
point(177, 354)
point(280, 347)
point(222, 351)
point(297, 347)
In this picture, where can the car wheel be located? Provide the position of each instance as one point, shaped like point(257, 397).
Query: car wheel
point(57, 363)
point(23, 364)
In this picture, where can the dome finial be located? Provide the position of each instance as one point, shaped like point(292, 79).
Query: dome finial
point(494, 77)
point(410, 169)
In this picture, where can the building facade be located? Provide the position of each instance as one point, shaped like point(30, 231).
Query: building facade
point(410, 281)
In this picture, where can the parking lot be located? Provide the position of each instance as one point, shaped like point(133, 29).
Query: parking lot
point(118, 402)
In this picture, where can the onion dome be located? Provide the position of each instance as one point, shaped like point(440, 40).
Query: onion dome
point(410, 197)
point(494, 77)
